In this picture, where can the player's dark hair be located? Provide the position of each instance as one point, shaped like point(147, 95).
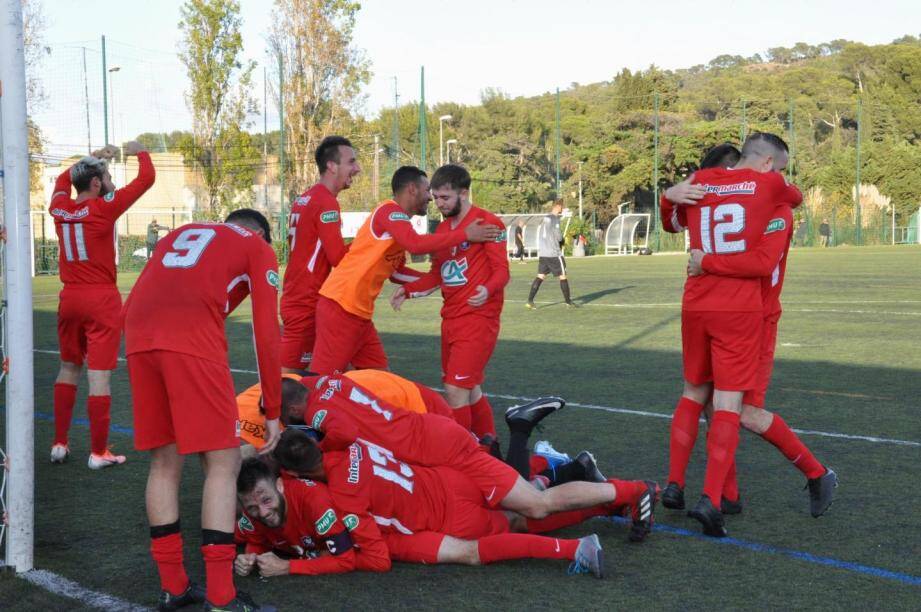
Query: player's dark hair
point(721, 156)
point(451, 176)
point(293, 394)
point(297, 452)
point(404, 176)
point(253, 471)
point(84, 171)
point(328, 151)
point(251, 219)
point(755, 144)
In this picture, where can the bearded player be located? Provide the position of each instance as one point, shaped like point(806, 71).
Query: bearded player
point(472, 278)
point(345, 309)
point(183, 392)
point(89, 314)
point(315, 246)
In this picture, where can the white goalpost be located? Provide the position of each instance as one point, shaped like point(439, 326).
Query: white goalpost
point(19, 475)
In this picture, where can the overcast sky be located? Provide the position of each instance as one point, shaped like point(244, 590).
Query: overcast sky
point(523, 47)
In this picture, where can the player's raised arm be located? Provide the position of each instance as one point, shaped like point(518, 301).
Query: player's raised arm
point(756, 262)
point(123, 198)
point(397, 223)
point(62, 187)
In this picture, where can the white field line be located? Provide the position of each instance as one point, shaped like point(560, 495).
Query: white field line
point(642, 413)
point(60, 585)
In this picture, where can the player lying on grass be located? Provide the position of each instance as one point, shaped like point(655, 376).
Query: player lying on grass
point(761, 263)
point(365, 509)
point(544, 469)
point(472, 278)
point(344, 412)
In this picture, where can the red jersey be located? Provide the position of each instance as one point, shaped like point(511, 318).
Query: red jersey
point(460, 269)
point(315, 245)
point(367, 480)
point(86, 230)
point(767, 261)
point(345, 412)
point(674, 217)
point(311, 524)
point(198, 274)
point(729, 219)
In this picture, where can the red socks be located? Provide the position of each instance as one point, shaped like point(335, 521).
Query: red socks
point(685, 424)
point(731, 485)
point(505, 546)
point(65, 396)
point(721, 451)
point(219, 572)
point(559, 520)
point(97, 407)
point(167, 552)
point(482, 422)
point(626, 492)
point(462, 416)
point(780, 435)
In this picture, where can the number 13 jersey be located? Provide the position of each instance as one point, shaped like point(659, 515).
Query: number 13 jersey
point(731, 219)
point(198, 274)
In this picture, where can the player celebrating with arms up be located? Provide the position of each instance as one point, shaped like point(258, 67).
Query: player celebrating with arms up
point(89, 315)
point(472, 279)
point(315, 245)
point(345, 331)
point(184, 395)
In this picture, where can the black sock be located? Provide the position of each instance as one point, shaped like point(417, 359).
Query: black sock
point(160, 531)
point(212, 536)
point(564, 287)
point(534, 287)
point(518, 455)
point(567, 472)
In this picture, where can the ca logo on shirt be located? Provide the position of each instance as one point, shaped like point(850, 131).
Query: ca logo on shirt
point(453, 273)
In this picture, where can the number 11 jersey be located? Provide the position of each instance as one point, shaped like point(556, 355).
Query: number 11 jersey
point(730, 219)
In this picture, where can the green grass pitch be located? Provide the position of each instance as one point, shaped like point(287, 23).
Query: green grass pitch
point(848, 362)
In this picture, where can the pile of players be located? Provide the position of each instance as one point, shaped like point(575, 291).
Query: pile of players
point(373, 467)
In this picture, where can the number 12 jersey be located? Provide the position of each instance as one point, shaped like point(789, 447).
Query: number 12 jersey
point(731, 218)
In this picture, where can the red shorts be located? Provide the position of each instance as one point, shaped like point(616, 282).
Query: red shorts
point(492, 478)
point(297, 337)
point(342, 339)
point(183, 399)
point(468, 514)
point(755, 396)
point(722, 347)
point(467, 344)
point(90, 326)
point(419, 547)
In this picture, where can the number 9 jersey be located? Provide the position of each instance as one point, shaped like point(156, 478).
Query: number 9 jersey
point(198, 274)
point(730, 219)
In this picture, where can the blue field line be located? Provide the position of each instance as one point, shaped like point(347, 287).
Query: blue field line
point(799, 555)
point(868, 570)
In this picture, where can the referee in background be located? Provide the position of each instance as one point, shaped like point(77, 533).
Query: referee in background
point(550, 255)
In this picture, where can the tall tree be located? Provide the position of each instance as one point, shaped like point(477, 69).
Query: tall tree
point(323, 74)
point(219, 99)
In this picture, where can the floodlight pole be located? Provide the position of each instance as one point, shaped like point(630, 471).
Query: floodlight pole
point(655, 171)
point(423, 132)
point(580, 191)
point(105, 93)
point(857, 177)
point(558, 187)
point(20, 398)
point(282, 221)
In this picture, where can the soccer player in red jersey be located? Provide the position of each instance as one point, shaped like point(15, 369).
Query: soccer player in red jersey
point(429, 515)
point(315, 246)
point(722, 316)
point(182, 389)
point(344, 412)
point(296, 517)
point(763, 264)
point(345, 331)
point(472, 278)
point(89, 313)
